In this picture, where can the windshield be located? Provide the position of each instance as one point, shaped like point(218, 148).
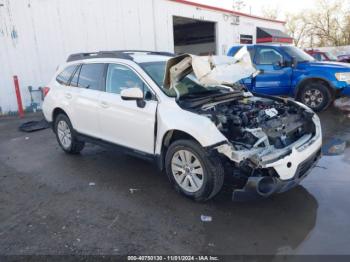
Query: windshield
point(187, 87)
point(299, 54)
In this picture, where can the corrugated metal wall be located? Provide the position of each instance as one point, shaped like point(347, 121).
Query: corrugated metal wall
point(37, 35)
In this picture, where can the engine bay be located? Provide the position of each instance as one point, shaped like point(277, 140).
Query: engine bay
point(257, 122)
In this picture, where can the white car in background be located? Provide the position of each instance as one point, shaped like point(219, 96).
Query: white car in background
point(194, 127)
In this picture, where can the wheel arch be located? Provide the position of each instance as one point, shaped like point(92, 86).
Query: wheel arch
point(305, 81)
point(58, 111)
point(169, 137)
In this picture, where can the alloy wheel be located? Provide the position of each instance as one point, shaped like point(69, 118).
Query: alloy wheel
point(313, 98)
point(64, 134)
point(187, 171)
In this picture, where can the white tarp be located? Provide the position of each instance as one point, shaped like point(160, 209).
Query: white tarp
point(210, 70)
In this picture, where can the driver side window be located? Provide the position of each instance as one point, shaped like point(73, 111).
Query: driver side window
point(268, 56)
point(120, 77)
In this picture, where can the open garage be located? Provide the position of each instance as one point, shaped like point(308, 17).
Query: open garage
point(194, 36)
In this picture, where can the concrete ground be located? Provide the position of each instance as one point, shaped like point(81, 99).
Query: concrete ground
point(102, 202)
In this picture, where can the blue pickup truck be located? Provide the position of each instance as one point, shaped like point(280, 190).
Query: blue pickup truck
point(289, 71)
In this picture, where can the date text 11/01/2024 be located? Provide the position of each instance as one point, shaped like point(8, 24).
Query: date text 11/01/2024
point(173, 258)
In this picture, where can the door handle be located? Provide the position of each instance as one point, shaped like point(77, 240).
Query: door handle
point(104, 104)
point(68, 95)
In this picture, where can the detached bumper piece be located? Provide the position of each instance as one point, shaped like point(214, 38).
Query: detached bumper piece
point(263, 187)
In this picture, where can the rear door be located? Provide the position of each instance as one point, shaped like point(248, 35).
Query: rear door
point(275, 78)
point(89, 80)
point(124, 122)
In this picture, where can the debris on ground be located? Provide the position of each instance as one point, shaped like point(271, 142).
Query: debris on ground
point(343, 104)
point(113, 222)
point(206, 218)
point(26, 138)
point(92, 184)
point(132, 190)
point(334, 147)
point(33, 126)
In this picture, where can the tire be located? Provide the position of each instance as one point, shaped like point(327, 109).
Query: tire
point(212, 177)
point(316, 95)
point(65, 135)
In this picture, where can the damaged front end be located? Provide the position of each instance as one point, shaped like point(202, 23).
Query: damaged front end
point(272, 143)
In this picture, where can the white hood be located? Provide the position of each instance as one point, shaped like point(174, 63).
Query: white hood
point(210, 70)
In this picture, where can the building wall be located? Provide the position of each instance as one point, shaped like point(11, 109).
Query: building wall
point(200, 49)
point(37, 35)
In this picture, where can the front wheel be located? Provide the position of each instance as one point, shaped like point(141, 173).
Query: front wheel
point(316, 96)
point(192, 171)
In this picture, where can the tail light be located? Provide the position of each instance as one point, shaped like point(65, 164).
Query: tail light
point(45, 90)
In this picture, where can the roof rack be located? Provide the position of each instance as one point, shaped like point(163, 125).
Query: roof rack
point(122, 54)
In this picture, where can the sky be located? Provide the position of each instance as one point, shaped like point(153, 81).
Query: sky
point(255, 6)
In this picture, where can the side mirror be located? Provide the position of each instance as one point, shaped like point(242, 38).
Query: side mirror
point(294, 62)
point(133, 93)
point(278, 65)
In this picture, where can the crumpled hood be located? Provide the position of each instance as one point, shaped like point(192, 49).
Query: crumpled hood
point(209, 70)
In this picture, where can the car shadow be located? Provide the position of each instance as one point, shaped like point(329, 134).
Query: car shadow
point(277, 225)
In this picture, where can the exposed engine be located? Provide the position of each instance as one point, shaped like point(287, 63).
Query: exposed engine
point(255, 122)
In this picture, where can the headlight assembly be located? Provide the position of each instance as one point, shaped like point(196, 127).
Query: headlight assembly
point(345, 77)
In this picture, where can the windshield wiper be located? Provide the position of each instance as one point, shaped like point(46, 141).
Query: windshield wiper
point(201, 94)
point(214, 98)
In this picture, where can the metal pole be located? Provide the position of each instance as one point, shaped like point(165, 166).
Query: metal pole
point(18, 96)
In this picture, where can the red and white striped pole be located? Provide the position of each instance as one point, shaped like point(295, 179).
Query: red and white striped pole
point(19, 98)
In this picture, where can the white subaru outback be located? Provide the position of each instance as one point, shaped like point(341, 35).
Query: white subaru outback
point(179, 112)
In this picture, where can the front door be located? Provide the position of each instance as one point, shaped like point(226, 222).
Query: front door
point(123, 122)
point(275, 78)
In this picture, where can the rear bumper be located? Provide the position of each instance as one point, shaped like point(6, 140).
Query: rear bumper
point(263, 187)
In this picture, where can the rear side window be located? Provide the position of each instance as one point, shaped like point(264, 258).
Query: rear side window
point(252, 53)
point(91, 76)
point(64, 77)
point(74, 81)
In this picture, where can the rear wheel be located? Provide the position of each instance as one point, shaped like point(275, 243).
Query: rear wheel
point(65, 135)
point(316, 96)
point(192, 171)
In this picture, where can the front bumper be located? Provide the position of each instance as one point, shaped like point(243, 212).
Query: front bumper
point(286, 167)
point(341, 89)
point(346, 91)
point(262, 187)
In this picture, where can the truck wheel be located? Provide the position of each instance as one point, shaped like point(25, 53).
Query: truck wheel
point(65, 135)
point(316, 96)
point(192, 171)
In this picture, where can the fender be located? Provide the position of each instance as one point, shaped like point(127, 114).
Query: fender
point(304, 78)
point(172, 118)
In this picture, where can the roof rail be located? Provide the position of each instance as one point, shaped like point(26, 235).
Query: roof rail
point(148, 52)
point(122, 54)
